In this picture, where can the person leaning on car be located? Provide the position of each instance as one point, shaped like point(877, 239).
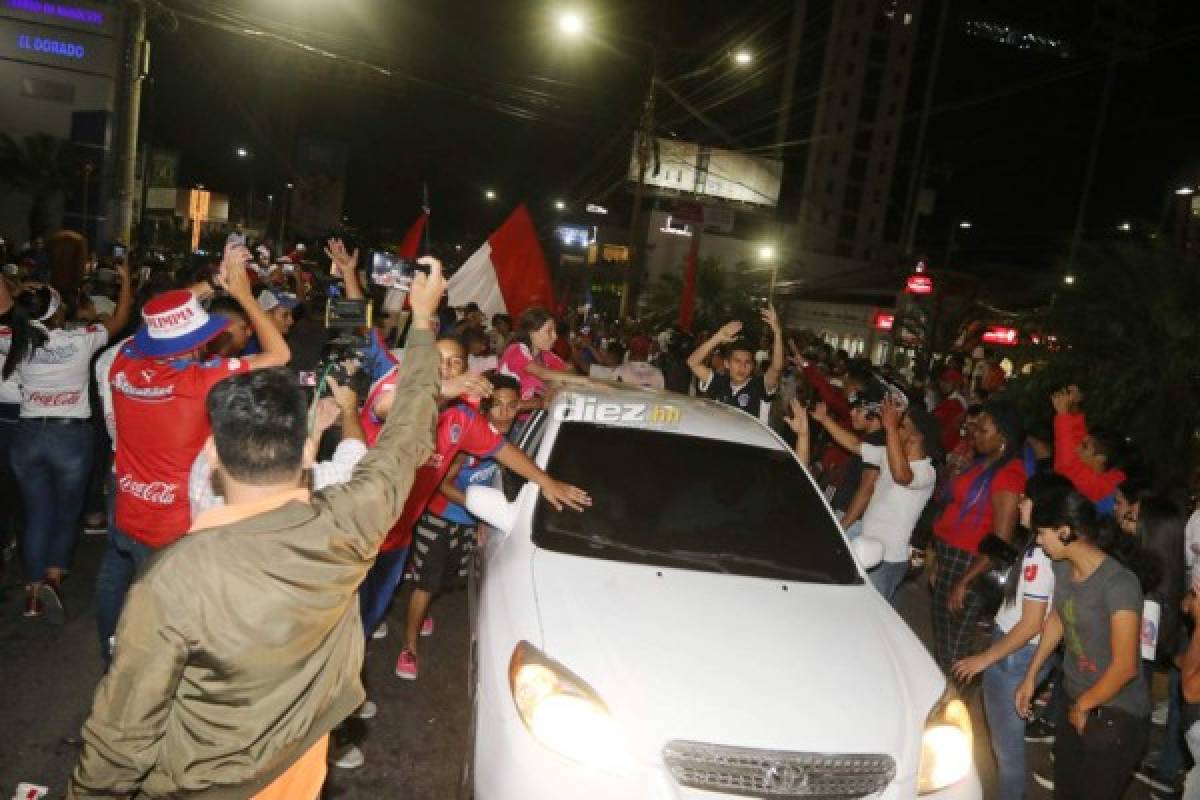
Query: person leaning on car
point(241, 646)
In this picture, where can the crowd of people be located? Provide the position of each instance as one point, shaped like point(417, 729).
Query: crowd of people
point(260, 524)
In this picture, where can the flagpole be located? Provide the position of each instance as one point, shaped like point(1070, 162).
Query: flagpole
point(425, 208)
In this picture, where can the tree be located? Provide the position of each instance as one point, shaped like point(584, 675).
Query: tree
point(721, 295)
point(42, 167)
point(1128, 333)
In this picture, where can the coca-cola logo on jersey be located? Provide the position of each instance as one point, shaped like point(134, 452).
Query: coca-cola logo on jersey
point(54, 399)
point(122, 385)
point(159, 493)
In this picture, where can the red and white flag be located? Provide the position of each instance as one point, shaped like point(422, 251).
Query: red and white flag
point(508, 274)
point(410, 248)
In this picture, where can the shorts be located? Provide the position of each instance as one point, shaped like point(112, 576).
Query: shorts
point(441, 553)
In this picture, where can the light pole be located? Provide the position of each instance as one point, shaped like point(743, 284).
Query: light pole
point(962, 224)
point(287, 195)
point(767, 255)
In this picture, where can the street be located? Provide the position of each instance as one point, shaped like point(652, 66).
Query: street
point(413, 747)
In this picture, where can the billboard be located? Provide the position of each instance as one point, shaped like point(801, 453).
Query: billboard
point(689, 168)
point(320, 186)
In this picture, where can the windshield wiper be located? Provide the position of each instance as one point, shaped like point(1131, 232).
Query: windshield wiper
point(606, 543)
point(799, 573)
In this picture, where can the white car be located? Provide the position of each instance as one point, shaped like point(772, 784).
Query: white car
point(703, 631)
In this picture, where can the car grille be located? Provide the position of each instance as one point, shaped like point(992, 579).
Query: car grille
point(777, 774)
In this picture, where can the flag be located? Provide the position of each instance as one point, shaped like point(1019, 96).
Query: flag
point(410, 248)
point(687, 300)
point(508, 274)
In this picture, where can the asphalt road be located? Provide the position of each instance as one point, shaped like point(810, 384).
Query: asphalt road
point(413, 748)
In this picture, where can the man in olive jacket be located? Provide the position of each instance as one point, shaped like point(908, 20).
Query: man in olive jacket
point(240, 648)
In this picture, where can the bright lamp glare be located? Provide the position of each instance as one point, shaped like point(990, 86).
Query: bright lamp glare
point(965, 224)
point(743, 58)
point(571, 23)
point(945, 748)
point(490, 194)
point(946, 757)
point(766, 252)
point(559, 205)
point(1069, 280)
point(567, 718)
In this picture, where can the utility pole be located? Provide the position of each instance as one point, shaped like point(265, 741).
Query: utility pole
point(632, 283)
point(137, 67)
point(1089, 174)
point(916, 177)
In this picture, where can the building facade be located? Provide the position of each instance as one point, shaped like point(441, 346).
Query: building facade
point(59, 68)
point(855, 131)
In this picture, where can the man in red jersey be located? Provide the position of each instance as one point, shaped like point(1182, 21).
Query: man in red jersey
point(159, 384)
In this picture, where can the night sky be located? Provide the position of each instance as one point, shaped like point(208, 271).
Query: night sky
point(487, 95)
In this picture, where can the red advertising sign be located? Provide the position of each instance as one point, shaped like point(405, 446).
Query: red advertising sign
point(1001, 335)
point(883, 321)
point(919, 283)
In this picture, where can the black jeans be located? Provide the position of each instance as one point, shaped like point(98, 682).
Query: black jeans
point(1098, 764)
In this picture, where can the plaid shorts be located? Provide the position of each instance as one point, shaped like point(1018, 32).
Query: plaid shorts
point(955, 636)
point(441, 553)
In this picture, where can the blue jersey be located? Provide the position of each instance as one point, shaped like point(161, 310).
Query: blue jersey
point(474, 472)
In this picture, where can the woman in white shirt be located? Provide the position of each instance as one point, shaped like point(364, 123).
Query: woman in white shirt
point(52, 448)
point(1018, 627)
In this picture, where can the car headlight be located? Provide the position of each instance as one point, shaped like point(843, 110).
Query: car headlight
point(563, 713)
point(946, 746)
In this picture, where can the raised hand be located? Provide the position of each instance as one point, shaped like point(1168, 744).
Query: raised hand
point(771, 317)
point(728, 332)
point(1061, 400)
point(343, 261)
point(232, 276)
point(427, 290)
point(798, 421)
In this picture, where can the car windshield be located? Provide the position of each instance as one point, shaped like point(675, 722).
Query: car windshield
point(670, 500)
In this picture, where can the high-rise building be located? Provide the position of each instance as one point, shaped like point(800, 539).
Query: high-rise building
point(850, 164)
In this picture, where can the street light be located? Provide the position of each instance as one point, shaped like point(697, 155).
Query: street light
point(1184, 191)
point(571, 23)
point(965, 224)
point(1125, 226)
point(490, 194)
point(242, 152)
point(559, 205)
point(1069, 280)
point(766, 252)
point(743, 58)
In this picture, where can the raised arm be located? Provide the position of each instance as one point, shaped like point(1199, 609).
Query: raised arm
point(366, 507)
point(346, 264)
point(120, 316)
point(775, 369)
point(845, 439)
point(698, 361)
point(233, 278)
point(798, 422)
point(898, 463)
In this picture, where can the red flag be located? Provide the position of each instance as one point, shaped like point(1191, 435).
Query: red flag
point(687, 300)
point(410, 248)
point(508, 274)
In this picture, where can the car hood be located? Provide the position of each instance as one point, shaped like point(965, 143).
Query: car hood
point(726, 659)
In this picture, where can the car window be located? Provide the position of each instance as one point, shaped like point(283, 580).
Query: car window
point(683, 501)
point(528, 438)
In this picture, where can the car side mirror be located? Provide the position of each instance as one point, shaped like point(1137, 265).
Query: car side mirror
point(868, 551)
point(491, 506)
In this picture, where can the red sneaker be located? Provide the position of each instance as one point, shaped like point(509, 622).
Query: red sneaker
point(406, 665)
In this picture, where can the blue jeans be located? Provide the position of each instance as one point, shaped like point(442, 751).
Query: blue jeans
point(52, 463)
point(123, 558)
point(1000, 682)
point(1191, 785)
point(377, 589)
point(887, 578)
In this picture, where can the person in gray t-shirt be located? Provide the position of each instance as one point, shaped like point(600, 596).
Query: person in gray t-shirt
point(1097, 619)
